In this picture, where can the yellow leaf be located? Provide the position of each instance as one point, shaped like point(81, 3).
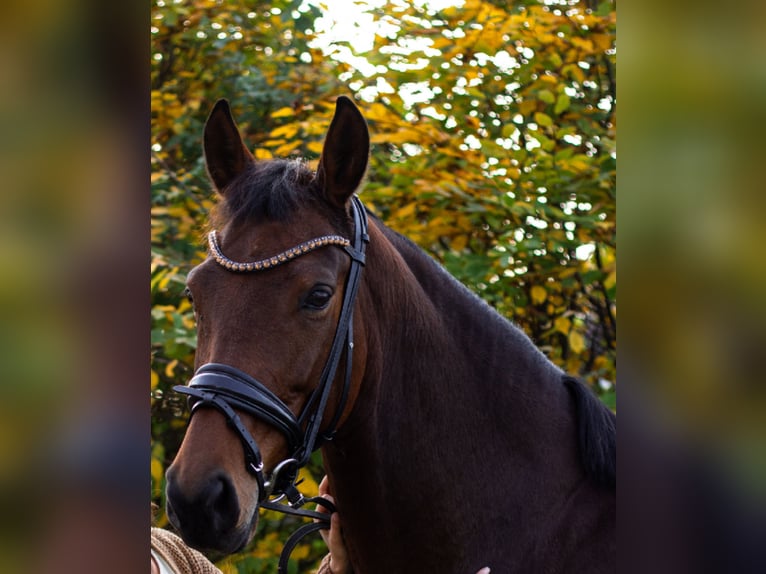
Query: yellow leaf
point(287, 131)
point(398, 137)
point(600, 362)
point(443, 42)
point(539, 294)
point(527, 107)
point(562, 325)
point(170, 368)
point(287, 148)
point(155, 379)
point(156, 470)
point(261, 153)
point(314, 147)
point(583, 44)
point(163, 283)
point(576, 342)
point(602, 42)
point(377, 112)
point(405, 211)
point(283, 112)
point(309, 486)
point(459, 243)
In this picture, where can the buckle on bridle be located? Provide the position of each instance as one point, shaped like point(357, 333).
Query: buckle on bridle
point(281, 482)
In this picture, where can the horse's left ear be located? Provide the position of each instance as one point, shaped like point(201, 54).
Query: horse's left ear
point(345, 153)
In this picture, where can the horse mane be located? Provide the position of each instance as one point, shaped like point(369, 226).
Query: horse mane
point(596, 434)
point(596, 424)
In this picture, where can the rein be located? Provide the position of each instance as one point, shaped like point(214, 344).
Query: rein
point(225, 388)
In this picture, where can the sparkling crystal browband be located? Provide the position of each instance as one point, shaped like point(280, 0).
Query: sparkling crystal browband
point(270, 262)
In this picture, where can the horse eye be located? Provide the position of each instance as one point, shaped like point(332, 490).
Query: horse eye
point(318, 299)
point(188, 295)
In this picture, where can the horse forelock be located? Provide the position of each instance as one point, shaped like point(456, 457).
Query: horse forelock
point(273, 190)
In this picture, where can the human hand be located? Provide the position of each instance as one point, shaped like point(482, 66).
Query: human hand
point(333, 537)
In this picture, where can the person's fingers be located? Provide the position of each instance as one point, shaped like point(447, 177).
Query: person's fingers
point(324, 486)
point(323, 509)
point(334, 537)
point(324, 533)
point(337, 546)
point(338, 555)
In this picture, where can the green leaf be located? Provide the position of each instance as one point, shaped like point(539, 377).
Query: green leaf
point(546, 96)
point(543, 120)
point(605, 8)
point(562, 104)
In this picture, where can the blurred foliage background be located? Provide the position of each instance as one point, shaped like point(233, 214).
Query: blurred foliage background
point(74, 108)
point(494, 148)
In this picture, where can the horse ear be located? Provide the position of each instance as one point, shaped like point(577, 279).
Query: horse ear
point(345, 153)
point(226, 155)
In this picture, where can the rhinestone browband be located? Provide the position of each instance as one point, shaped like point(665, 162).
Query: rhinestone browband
point(270, 262)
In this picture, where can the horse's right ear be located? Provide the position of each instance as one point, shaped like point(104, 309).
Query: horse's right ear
point(226, 155)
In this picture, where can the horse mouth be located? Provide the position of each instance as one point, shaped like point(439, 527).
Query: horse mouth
point(209, 526)
point(214, 542)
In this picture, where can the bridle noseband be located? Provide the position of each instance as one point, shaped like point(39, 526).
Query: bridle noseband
point(226, 388)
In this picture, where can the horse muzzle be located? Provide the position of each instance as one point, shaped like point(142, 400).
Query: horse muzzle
point(209, 518)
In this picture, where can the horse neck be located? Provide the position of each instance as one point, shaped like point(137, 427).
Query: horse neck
point(461, 448)
point(431, 333)
point(448, 386)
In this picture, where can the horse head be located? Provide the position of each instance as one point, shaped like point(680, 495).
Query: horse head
point(272, 311)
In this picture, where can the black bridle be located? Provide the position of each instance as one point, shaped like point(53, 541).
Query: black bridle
point(226, 388)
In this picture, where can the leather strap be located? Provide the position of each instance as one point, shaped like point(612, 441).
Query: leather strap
point(253, 459)
point(306, 529)
point(248, 394)
point(339, 341)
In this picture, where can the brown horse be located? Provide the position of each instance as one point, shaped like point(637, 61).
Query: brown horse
point(450, 441)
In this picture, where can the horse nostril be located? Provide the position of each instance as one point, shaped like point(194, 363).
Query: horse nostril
point(207, 518)
point(219, 500)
